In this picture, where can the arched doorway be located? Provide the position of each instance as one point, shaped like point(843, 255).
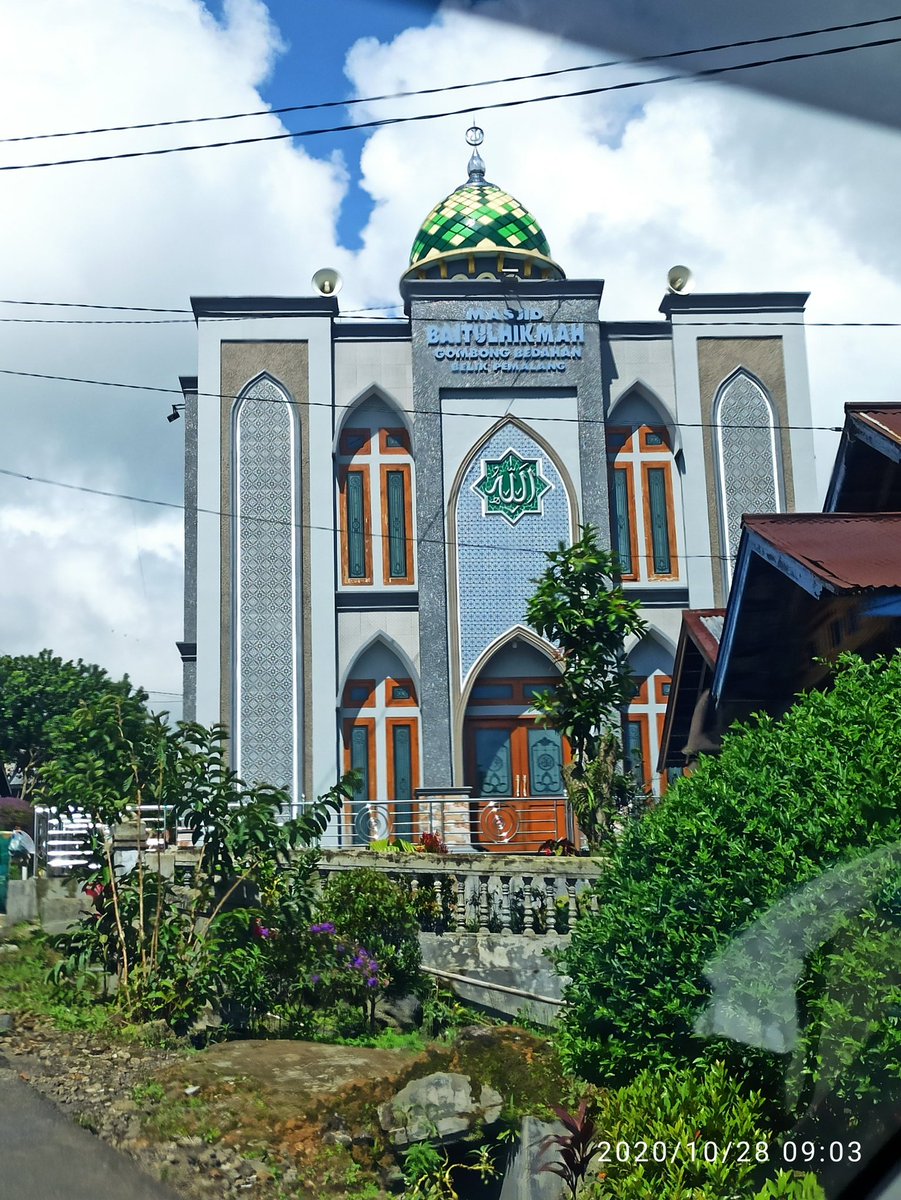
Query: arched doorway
point(513, 764)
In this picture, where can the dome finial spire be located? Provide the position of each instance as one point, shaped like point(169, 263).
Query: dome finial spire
point(474, 137)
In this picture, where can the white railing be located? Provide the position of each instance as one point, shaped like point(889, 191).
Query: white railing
point(64, 837)
point(515, 826)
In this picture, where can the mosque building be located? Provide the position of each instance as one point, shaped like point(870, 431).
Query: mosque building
point(368, 503)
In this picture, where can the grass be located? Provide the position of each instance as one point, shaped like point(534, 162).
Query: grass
point(25, 987)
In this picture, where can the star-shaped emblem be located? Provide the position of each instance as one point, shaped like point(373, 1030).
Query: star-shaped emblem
point(511, 486)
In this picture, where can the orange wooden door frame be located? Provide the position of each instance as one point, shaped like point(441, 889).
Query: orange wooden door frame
point(536, 819)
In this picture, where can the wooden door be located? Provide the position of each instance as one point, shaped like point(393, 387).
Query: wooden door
point(515, 769)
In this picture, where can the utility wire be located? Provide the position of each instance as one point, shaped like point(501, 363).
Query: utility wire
point(303, 525)
point(375, 123)
point(147, 387)
point(457, 87)
point(398, 320)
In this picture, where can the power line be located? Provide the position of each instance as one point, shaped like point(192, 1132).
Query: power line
point(144, 308)
point(457, 87)
point(401, 320)
point(303, 525)
point(148, 387)
point(375, 123)
point(107, 307)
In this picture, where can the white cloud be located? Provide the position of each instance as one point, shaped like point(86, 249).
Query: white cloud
point(752, 193)
point(255, 219)
point(90, 577)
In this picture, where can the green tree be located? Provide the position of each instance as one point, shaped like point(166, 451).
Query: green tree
point(578, 606)
point(36, 690)
point(809, 799)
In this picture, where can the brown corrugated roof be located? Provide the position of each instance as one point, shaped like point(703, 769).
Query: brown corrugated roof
point(705, 628)
point(849, 551)
point(884, 418)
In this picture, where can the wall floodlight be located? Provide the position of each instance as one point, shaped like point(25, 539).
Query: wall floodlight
point(175, 415)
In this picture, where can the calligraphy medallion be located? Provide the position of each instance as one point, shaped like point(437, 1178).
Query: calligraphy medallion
point(511, 486)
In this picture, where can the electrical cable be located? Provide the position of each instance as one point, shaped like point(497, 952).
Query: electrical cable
point(664, 325)
point(456, 87)
point(302, 525)
point(148, 387)
point(379, 122)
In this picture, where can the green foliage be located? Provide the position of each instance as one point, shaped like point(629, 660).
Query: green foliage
point(785, 802)
point(430, 1175)
point(601, 794)
point(173, 952)
point(691, 1134)
point(369, 909)
point(26, 985)
point(36, 692)
point(578, 607)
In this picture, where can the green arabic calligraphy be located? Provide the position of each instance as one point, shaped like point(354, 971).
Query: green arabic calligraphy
point(511, 486)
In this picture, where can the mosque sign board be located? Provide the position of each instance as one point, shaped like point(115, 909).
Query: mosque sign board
point(492, 340)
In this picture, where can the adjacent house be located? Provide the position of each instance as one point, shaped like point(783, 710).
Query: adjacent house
point(805, 588)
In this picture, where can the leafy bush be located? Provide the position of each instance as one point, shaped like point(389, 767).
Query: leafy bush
point(786, 801)
point(686, 1134)
point(368, 909)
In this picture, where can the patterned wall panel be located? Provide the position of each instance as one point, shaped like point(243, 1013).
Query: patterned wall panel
point(500, 553)
point(748, 465)
point(266, 558)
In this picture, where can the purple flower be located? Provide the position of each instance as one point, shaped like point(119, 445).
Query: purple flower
point(314, 979)
point(373, 982)
point(264, 932)
point(324, 927)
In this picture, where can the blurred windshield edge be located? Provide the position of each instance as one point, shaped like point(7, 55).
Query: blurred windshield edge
point(754, 981)
point(859, 84)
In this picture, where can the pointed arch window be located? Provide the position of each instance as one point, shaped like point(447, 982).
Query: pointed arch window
point(380, 735)
point(375, 500)
point(748, 464)
point(642, 487)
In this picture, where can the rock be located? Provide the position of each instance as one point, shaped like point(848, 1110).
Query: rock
point(399, 1012)
point(8, 948)
point(441, 1106)
point(6, 1023)
point(337, 1137)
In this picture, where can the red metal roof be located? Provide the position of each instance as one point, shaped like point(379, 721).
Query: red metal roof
point(849, 551)
point(705, 628)
point(884, 418)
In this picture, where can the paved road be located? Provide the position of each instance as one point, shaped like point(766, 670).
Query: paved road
point(43, 1156)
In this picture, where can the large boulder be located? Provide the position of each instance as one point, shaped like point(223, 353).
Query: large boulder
point(439, 1107)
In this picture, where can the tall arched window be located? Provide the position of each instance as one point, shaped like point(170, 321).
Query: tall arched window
point(375, 499)
point(643, 497)
point(651, 666)
point(748, 467)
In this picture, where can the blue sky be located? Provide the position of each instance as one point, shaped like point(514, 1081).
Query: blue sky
point(318, 34)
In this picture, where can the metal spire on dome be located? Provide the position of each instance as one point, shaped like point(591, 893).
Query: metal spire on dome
point(475, 136)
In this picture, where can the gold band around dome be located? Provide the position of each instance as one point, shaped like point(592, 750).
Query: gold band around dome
point(419, 269)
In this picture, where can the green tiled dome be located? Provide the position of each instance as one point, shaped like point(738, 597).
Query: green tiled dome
point(478, 216)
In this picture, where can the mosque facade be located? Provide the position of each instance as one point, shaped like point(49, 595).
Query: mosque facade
point(369, 502)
